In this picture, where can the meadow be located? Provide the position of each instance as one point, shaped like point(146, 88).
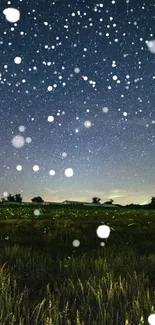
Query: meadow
point(45, 280)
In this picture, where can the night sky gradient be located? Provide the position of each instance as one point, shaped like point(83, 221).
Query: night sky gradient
point(94, 55)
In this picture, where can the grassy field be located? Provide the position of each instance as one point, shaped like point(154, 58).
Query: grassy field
point(45, 280)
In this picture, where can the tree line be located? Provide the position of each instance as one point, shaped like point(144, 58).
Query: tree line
point(18, 198)
point(96, 200)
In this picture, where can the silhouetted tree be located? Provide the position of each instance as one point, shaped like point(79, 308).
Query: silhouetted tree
point(109, 202)
point(3, 200)
point(14, 198)
point(11, 198)
point(96, 200)
point(18, 198)
point(37, 199)
point(153, 201)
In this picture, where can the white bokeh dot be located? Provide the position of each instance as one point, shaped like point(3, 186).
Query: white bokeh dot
point(18, 60)
point(28, 140)
point(22, 128)
point(105, 109)
point(103, 231)
point(102, 244)
point(125, 113)
point(5, 194)
point(85, 78)
point(49, 88)
point(12, 14)
point(151, 319)
point(69, 172)
point(18, 141)
point(76, 70)
point(76, 243)
point(52, 172)
point(19, 167)
point(151, 46)
point(87, 124)
point(35, 168)
point(50, 119)
point(36, 212)
point(64, 154)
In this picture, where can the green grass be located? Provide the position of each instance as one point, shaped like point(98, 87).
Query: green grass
point(45, 280)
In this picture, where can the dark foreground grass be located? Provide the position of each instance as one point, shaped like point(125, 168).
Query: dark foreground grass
point(45, 280)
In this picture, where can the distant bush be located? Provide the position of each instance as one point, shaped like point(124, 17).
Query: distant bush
point(37, 199)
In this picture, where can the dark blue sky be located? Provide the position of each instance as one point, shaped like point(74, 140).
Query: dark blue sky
point(93, 56)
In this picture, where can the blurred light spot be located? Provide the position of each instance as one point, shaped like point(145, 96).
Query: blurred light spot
point(18, 60)
point(49, 88)
point(105, 109)
point(50, 118)
point(22, 128)
point(64, 154)
point(69, 172)
point(52, 172)
point(76, 243)
point(19, 168)
point(12, 15)
point(87, 124)
point(151, 46)
point(35, 168)
point(18, 141)
point(151, 319)
point(36, 212)
point(85, 78)
point(28, 140)
point(5, 194)
point(76, 70)
point(103, 231)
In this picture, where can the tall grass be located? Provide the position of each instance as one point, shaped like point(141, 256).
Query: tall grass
point(45, 280)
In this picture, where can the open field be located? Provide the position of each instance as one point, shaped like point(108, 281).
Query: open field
point(45, 280)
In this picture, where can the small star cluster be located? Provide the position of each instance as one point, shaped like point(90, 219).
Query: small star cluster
point(77, 103)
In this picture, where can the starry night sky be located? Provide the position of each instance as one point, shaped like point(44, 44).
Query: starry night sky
point(97, 59)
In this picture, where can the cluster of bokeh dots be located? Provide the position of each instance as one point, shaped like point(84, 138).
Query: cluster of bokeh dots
point(13, 15)
point(68, 171)
point(102, 231)
point(18, 142)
